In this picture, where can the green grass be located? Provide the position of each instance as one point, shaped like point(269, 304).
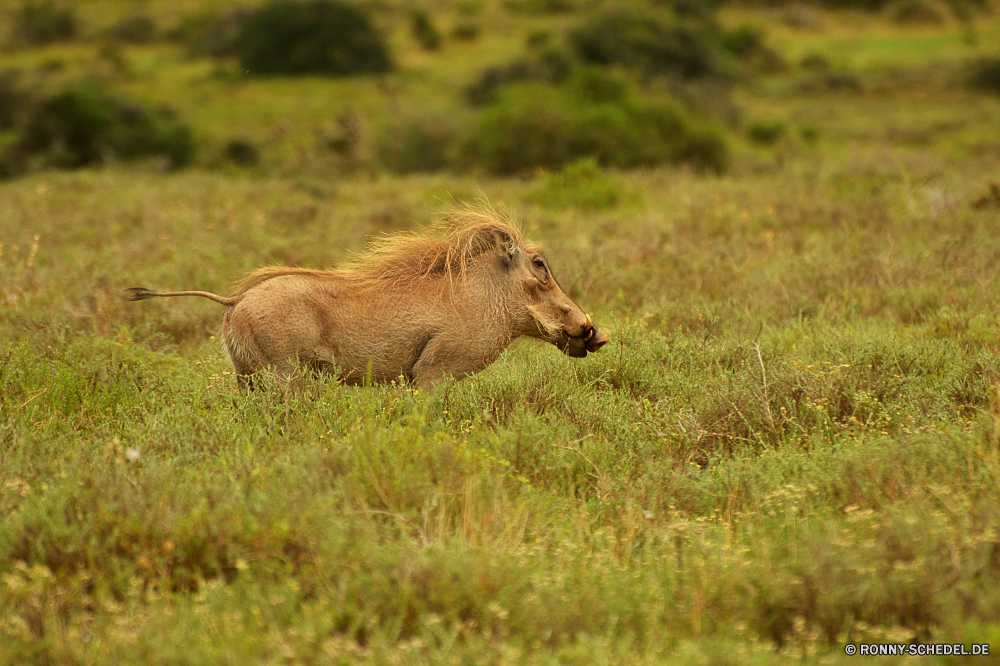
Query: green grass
point(792, 437)
point(891, 48)
point(792, 441)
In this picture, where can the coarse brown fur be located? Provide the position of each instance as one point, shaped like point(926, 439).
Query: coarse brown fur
point(422, 306)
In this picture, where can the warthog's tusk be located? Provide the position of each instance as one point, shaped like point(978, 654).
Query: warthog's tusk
point(589, 336)
point(590, 323)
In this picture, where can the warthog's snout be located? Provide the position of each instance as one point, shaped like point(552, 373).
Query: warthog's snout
point(590, 340)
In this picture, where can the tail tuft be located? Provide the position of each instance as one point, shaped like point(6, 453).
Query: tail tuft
point(138, 294)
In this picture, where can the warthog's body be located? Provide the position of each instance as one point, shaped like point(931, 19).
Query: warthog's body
point(420, 307)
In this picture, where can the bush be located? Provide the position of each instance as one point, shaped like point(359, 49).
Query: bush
point(424, 31)
point(465, 31)
point(583, 185)
point(815, 62)
point(113, 54)
point(648, 41)
point(986, 75)
point(417, 140)
point(767, 132)
point(39, 23)
point(138, 29)
point(866, 5)
point(843, 81)
point(212, 34)
point(80, 126)
point(748, 44)
point(926, 12)
point(242, 153)
point(744, 40)
point(14, 101)
point(550, 65)
point(959, 6)
point(321, 36)
point(537, 7)
point(592, 115)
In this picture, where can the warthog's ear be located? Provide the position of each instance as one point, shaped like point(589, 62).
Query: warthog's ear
point(506, 245)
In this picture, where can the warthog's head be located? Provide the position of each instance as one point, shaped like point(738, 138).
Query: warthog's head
point(553, 316)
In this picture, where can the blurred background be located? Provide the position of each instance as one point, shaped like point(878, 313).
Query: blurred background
point(333, 89)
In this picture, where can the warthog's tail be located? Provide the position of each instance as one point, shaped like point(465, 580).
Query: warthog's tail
point(141, 294)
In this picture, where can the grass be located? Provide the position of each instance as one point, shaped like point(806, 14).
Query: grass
point(792, 441)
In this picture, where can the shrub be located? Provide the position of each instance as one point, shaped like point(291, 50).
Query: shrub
point(866, 5)
point(532, 125)
point(647, 41)
point(925, 12)
point(965, 10)
point(844, 81)
point(321, 36)
point(986, 75)
point(767, 132)
point(465, 31)
point(80, 126)
point(242, 153)
point(138, 29)
point(212, 34)
point(801, 15)
point(583, 185)
point(39, 23)
point(114, 55)
point(417, 140)
point(549, 65)
point(960, 6)
point(815, 62)
point(424, 31)
point(536, 39)
point(14, 100)
point(748, 43)
point(540, 6)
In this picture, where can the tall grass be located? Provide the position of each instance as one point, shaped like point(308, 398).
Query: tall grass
point(791, 442)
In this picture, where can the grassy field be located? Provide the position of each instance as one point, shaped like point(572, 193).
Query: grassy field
point(791, 443)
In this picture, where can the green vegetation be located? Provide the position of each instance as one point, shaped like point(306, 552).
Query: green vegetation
point(582, 184)
point(648, 41)
point(319, 36)
point(43, 22)
point(419, 139)
point(767, 132)
point(590, 115)
point(986, 74)
point(424, 31)
point(81, 126)
point(792, 441)
point(137, 29)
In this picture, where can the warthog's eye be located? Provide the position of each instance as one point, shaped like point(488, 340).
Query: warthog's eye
point(539, 264)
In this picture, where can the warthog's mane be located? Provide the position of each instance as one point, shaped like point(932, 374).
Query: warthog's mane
point(445, 249)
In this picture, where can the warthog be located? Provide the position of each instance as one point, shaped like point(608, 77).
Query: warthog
point(421, 306)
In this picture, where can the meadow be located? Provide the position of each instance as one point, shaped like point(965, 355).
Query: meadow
point(791, 443)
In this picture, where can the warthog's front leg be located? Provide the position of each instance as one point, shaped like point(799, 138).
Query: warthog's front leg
point(444, 355)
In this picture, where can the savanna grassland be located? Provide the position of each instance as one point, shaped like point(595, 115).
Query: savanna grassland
point(791, 443)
